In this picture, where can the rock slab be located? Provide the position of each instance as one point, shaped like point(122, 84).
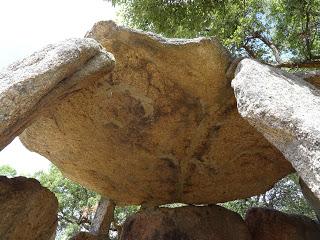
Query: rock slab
point(269, 224)
point(30, 86)
point(28, 210)
point(162, 127)
point(185, 223)
point(286, 110)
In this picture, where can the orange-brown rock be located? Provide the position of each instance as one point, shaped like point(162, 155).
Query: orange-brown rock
point(30, 86)
point(162, 127)
point(28, 210)
point(269, 224)
point(186, 223)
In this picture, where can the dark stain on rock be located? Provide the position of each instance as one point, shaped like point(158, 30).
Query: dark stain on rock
point(204, 147)
point(174, 234)
point(169, 162)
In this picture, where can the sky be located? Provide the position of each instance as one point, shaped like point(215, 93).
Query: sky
point(27, 26)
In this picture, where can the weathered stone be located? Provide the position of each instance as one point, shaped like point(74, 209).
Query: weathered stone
point(310, 197)
point(186, 223)
point(28, 210)
point(162, 127)
point(86, 236)
point(269, 224)
point(312, 77)
point(286, 109)
point(103, 217)
point(29, 86)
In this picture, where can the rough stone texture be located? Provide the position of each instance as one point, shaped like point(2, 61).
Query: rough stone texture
point(87, 236)
point(269, 224)
point(162, 127)
point(28, 210)
point(286, 109)
point(103, 217)
point(310, 197)
point(186, 223)
point(29, 86)
point(312, 77)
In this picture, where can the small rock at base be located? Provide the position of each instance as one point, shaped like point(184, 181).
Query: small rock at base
point(185, 223)
point(269, 224)
point(28, 210)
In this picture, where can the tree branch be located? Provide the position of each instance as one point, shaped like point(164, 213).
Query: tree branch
point(303, 64)
point(250, 52)
point(269, 43)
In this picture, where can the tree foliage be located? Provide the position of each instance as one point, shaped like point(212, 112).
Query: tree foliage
point(8, 171)
point(77, 205)
point(273, 31)
point(285, 196)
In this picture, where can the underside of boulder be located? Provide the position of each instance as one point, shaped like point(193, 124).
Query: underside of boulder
point(162, 127)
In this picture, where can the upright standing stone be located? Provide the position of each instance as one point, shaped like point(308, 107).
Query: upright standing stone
point(100, 226)
point(103, 218)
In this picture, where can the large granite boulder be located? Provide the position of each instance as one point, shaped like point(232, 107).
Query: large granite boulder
point(186, 223)
point(162, 127)
point(269, 224)
point(28, 210)
point(30, 86)
point(286, 110)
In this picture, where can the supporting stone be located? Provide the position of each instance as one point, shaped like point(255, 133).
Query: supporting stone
point(286, 110)
point(310, 197)
point(31, 86)
point(28, 210)
point(185, 223)
point(269, 224)
point(102, 220)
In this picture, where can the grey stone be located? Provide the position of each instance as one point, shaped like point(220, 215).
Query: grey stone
point(31, 85)
point(286, 110)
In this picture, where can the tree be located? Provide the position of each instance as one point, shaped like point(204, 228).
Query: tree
point(285, 33)
point(285, 196)
point(77, 205)
point(8, 171)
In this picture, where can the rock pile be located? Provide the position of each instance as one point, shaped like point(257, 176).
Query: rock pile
point(160, 126)
point(217, 223)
